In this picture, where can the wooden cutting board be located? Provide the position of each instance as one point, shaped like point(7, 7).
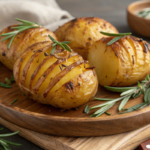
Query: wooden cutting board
point(124, 141)
point(47, 119)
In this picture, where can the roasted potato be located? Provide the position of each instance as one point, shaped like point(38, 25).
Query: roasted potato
point(121, 64)
point(83, 32)
point(63, 80)
point(20, 43)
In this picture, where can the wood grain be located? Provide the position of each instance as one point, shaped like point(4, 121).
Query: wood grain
point(124, 141)
point(47, 119)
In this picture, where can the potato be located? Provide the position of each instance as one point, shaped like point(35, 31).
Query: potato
point(20, 43)
point(83, 32)
point(63, 80)
point(121, 64)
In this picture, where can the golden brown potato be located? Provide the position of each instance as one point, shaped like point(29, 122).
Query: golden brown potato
point(20, 43)
point(121, 64)
point(83, 32)
point(63, 80)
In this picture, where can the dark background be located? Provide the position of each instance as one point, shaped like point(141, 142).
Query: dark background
point(114, 11)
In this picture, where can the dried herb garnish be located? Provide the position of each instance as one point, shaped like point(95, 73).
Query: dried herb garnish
point(14, 101)
point(61, 44)
point(126, 94)
point(4, 143)
point(17, 29)
point(116, 35)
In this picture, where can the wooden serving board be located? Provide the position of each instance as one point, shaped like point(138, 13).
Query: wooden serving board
point(124, 141)
point(47, 119)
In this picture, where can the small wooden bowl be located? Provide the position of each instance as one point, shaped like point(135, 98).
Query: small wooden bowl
point(138, 24)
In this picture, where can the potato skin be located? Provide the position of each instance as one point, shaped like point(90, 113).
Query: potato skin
point(20, 43)
point(83, 32)
point(121, 64)
point(63, 80)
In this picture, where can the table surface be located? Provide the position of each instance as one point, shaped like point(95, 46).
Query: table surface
point(114, 11)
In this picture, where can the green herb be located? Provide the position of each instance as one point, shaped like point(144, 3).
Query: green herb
point(143, 13)
point(23, 94)
point(126, 94)
point(13, 101)
point(7, 81)
point(61, 44)
point(17, 29)
point(4, 85)
point(86, 110)
point(4, 143)
point(12, 78)
point(116, 35)
point(107, 113)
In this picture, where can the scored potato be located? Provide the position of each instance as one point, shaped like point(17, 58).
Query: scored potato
point(63, 80)
point(83, 32)
point(121, 64)
point(20, 43)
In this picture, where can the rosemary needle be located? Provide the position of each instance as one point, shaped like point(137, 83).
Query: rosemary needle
point(126, 94)
point(61, 44)
point(14, 101)
point(17, 29)
point(116, 35)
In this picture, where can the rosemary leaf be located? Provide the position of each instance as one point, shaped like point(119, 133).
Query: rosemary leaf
point(107, 103)
point(52, 51)
point(119, 89)
point(107, 113)
point(114, 40)
point(12, 78)
point(86, 110)
point(66, 42)
point(11, 143)
point(4, 85)
point(133, 108)
point(135, 95)
point(103, 109)
point(103, 99)
point(7, 81)
point(26, 22)
point(14, 101)
point(67, 47)
point(7, 37)
point(115, 34)
point(128, 92)
point(61, 44)
point(123, 102)
point(147, 96)
point(11, 41)
point(53, 40)
point(9, 134)
point(1, 129)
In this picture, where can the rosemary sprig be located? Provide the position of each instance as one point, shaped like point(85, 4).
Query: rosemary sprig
point(116, 35)
point(4, 143)
point(126, 94)
point(61, 44)
point(143, 13)
point(17, 29)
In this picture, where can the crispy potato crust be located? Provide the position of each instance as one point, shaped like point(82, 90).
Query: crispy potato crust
point(20, 43)
point(83, 32)
point(121, 64)
point(63, 80)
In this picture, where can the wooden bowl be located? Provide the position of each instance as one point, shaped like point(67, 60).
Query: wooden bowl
point(138, 24)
